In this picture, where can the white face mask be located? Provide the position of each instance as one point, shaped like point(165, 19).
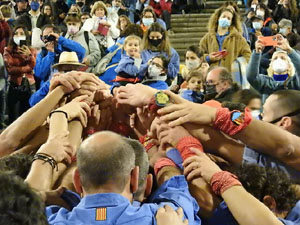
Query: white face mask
point(147, 21)
point(155, 73)
point(253, 7)
point(192, 64)
point(260, 13)
point(18, 39)
point(279, 66)
point(73, 29)
point(255, 113)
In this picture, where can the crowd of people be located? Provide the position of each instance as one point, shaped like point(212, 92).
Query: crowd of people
point(102, 124)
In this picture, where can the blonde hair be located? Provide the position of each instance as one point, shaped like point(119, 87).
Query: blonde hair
point(165, 45)
point(98, 5)
point(291, 71)
point(6, 11)
point(214, 20)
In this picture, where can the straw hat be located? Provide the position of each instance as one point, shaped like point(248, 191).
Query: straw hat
point(68, 58)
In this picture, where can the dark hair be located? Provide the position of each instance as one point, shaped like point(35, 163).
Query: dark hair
point(43, 7)
point(165, 45)
point(133, 29)
point(287, 99)
point(195, 49)
point(19, 164)
point(250, 2)
point(265, 8)
point(54, 28)
point(112, 163)
point(141, 160)
point(19, 205)
point(261, 181)
point(73, 17)
point(11, 42)
point(245, 96)
point(165, 61)
point(119, 23)
point(85, 14)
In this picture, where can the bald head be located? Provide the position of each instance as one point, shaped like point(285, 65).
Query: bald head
point(105, 158)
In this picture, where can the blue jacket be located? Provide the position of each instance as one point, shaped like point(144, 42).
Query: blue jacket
point(45, 59)
point(112, 208)
point(222, 215)
point(127, 66)
point(39, 94)
point(267, 85)
point(193, 96)
point(173, 67)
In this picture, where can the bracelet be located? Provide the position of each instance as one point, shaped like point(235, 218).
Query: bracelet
point(161, 163)
point(232, 122)
point(47, 159)
point(147, 142)
point(59, 111)
point(223, 180)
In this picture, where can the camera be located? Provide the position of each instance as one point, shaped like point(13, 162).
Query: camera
point(48, 38)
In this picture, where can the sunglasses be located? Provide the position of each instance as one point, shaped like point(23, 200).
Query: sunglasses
point(294, 113)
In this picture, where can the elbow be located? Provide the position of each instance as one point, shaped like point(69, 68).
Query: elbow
point(286, 152)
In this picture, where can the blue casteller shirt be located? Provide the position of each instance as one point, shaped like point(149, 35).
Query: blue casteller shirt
point(118, 209)
point(253, 157)
point(192, 96)
point(223, 216)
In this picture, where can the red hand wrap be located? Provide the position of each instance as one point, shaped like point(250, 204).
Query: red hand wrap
point(185, 144)
point(222, 181)
point(162, 162)
point(147, 142)
point(224, 122)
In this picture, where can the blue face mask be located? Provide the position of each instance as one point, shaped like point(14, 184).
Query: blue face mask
point(34, 6)
point(283, 31)
point(223, 22)
point(281, 77)
point(147, 21)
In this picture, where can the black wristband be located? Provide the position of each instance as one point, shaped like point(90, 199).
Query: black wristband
point(46, 158)
point(59, 111)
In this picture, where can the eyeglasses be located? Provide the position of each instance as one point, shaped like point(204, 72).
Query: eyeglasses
point(156, 64)
point(294, 113)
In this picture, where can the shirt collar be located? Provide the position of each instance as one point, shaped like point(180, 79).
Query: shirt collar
point(223, 35)
point(37, 15)
point(99, 200)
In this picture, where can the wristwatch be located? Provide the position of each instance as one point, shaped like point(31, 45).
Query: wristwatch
point(159, 100)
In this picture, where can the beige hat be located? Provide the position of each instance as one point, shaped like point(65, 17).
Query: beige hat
point(68, 58)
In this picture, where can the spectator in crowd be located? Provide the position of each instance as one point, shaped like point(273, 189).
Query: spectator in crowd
point(60, 10)
point(68, 61)
point(20, 60)
point(112, 12)
point(263, 11)
point(110, 74)
point(139, 8)
point(99, 20)
point(234, 7)
point(283, 72)
point(286, 9)
point(258, 30)
point(250, 98)
point(131, 68)
point(219, 84)
point(21, 7)
point(156, 74)
point(4, 32)
point(84, 16)
point(123, 23)
point(223, 44)
point(156, 42)
point(85, 39)
point(7, 14)
point(162, 10)
point(196, 5)
point(83, 6)
point(75, 9)
point(54, 46)
point(194, 88)
point(148, 17)
point(286, 30)
point(48, 11)
point(252, 4)
point(34, 18)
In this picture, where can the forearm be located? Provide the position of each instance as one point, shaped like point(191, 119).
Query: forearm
point(15, 135)
point(217, 143)
point(246, 209)
point(253, 69)
point(40, 176)
point(166, 173)
point(272, 140)
point(58, 124)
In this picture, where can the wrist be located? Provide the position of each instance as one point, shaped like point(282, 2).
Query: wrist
point(222, 181)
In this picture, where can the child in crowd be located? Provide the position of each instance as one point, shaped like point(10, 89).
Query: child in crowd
point(194, 90)
point(156, 75)
point(131, 68)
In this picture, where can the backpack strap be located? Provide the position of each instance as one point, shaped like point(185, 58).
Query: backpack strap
point(87, 39)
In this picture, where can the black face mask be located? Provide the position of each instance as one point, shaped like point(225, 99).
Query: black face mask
point(210, 91)
point(155, 42)
point(80, 4)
